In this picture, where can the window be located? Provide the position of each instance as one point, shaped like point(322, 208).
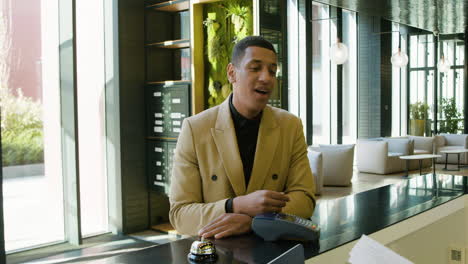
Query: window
point(326, 97)
point(321, 74)
point(31, 147)
point(422, 80)
point(37, 89)
point(399, 92)
point(350, 79)
point(450, 88)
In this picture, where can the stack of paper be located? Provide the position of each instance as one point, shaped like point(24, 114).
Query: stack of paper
point(368, 251)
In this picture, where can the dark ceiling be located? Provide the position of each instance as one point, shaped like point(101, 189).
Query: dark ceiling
point(446, 16)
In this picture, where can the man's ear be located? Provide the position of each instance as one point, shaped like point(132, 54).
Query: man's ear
point(231, 73)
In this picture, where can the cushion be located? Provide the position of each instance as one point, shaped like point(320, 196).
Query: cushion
point(439, 140)
point(423, 144)
point(455, 140)
point(316, 165)
point(421, 151)
point(400, 145)
point(337, 164)
point(450, 148)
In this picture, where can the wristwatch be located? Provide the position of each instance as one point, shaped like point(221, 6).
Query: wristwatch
point(228, 206)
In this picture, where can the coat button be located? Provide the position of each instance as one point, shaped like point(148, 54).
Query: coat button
point(275, 176)
point(214, 177)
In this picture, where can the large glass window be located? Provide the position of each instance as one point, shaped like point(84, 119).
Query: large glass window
point(38, 143)
point(450, 88)
point(421, 84)
point(399, 91)
point(321, 73)
point(326, 106)
point(350, 79)
point(423, 73)
point(30, 124)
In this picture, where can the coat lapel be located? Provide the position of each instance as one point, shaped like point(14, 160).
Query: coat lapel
point(224, 135)
point(268, 137)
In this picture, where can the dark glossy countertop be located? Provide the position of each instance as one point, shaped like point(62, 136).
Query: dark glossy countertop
point(341, 221)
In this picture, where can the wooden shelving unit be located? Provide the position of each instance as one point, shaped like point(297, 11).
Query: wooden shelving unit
point(167, 93)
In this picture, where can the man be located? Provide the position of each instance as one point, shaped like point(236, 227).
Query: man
point(240, 158)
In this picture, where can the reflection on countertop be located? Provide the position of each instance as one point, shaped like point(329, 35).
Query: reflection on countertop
point(341, 221)
point(345, 219)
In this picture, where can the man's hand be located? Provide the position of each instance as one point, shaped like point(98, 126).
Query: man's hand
point(227, 225)
point(259, 202)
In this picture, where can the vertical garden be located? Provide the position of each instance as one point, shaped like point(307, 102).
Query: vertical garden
point(225, 23)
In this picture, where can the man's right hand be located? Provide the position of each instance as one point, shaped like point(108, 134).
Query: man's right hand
point(258, 202)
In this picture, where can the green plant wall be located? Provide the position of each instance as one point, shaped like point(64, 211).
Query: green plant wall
point(22, 137)
point(225, 23)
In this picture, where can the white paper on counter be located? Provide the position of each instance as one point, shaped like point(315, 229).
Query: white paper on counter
point(369, 251)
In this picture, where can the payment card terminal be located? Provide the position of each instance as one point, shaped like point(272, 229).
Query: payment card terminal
point(275, 226)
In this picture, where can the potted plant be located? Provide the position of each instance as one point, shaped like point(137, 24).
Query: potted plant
point(452, 116)
point(418, 115)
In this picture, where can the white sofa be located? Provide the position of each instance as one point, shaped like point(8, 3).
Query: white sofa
point(382, 155)
point(451, 142)
point(337, 165)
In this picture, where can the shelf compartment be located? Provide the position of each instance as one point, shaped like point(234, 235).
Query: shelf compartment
point(171, 6)
point(166, 107)
point(171, 44)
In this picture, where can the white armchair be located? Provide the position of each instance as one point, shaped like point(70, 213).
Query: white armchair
point(337, 164)
point(382, 156)
point(451, 142)
point(423, 145)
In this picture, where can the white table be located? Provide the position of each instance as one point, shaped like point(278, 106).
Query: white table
point(453, 151)
point(419, 158)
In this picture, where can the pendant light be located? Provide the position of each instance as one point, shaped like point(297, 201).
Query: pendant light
point(444, 64)
point(338, 53)
point(399, 59)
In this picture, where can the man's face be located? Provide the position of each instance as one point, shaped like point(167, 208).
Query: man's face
point(253, 80)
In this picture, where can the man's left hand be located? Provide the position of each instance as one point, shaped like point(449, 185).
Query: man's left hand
point(227, 225)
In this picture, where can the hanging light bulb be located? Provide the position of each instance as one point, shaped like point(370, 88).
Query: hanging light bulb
point(399, 59)
point(338, 53)
point(444, 64)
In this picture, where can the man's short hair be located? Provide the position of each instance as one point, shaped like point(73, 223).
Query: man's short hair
point(251, 41)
